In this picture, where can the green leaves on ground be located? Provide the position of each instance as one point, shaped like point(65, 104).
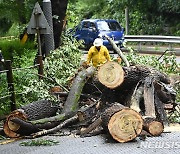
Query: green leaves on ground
point(39, 142)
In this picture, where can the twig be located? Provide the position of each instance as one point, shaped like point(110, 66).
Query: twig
point(51, 80)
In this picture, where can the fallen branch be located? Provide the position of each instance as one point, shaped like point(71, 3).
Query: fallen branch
point(57, 128)
point(118, 50)
point(71, 103)
point(91, 127)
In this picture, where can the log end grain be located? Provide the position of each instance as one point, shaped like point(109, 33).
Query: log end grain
point(152, 126)
point(10, 128)
point(111, 74)
point(125, 125)
point(156, 128)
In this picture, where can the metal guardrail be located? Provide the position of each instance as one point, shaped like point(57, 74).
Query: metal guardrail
point(8, 38)
point(152, 38)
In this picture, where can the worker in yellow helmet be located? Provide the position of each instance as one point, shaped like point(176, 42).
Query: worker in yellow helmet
point(98, 54)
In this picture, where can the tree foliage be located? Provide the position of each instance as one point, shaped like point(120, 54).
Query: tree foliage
point(146, 17)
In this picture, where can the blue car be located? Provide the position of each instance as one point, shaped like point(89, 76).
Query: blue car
point(88, 30)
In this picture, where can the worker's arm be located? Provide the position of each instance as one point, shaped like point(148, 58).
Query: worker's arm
point(106, 54)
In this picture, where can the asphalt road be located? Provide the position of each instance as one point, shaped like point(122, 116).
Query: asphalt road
point(167, 143)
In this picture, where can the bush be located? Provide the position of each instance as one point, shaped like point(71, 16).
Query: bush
point(59, 67)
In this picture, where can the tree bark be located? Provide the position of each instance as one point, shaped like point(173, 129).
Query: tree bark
point(35, 110)
point(118, 50)
point(149, 97)
point(161, 114)
point(39, 109)
point(71, 103)
point(59, 12)
point(123, 124)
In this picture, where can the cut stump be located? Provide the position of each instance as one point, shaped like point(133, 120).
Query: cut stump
point(111, 74)
point(123, 124)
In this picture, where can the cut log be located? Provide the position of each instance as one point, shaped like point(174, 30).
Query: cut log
point(123, 124)
point(20, 126)
point(10, 127)
point(71, 103)
point(35, 110)
point(111, 74)
point(152, 126)
point(39, 109)
point(23, 127)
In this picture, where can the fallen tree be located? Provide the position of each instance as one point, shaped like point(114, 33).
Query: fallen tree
point(123, 101)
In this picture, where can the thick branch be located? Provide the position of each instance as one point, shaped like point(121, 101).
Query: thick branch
point(57, 128)
point(118, 50)
point(71, 103)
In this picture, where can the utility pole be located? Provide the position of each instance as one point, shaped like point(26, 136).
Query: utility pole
point(127, 19)
point(49, 38)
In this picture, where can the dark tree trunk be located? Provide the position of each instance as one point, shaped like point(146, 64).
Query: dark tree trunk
point(33, 111)
point(21, 11)
point(59, 12)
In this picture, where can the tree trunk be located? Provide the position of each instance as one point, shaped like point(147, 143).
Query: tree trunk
point(17, 124)
point(71, 103)
point(123, 124)
point(36, 110)
point(59, 12)
point(152, 126)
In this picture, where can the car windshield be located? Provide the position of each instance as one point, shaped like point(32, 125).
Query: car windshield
point(106, 26)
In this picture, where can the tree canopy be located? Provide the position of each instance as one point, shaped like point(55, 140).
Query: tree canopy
point(160, 17)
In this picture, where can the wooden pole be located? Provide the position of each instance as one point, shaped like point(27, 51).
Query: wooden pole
point(127, 19)
point(40, 68)
point(40, 62)
point(10, 84)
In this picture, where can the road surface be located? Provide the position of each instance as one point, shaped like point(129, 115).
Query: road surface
point(166, 143)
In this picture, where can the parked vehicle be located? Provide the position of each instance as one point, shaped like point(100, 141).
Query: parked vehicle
point(88, 30)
